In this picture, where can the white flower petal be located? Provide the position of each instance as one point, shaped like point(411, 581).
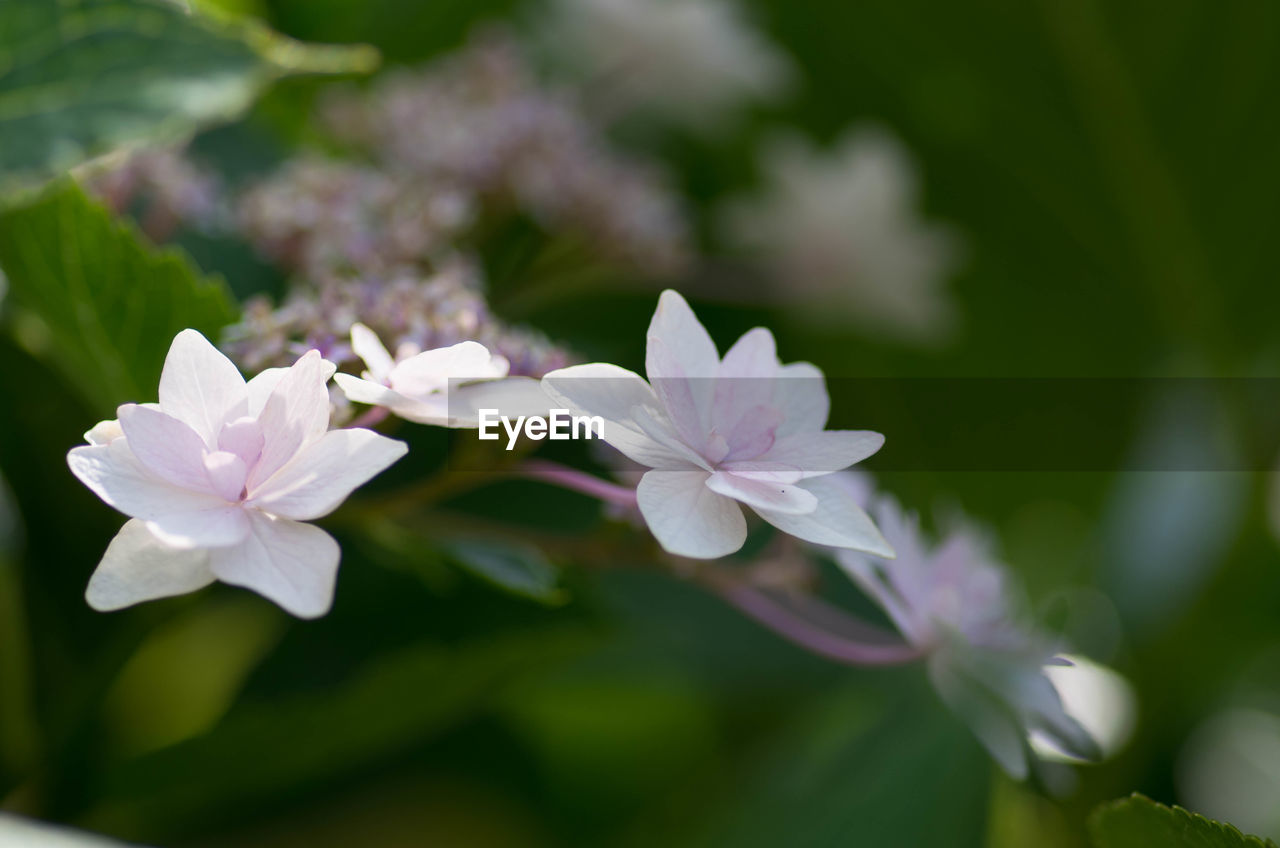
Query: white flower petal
point(745, 379)
point(324, 473)
point(763, 494)
point(200, 386)
point(512, 397)
point(261, 386)
point(216, 527)
point(837, 521)
point(226, 472)
point(431, 370)
point(687, 518)
point(613, 393)
point(292, 564)
point(295, 414)
point(683, 335)
point(681, 362)
point(359, 390)
point(166, 446)
point(800, 391)
point(366, 345)
point(104, 432)
point(139, 567)
point(825, 451)
point(114, 474)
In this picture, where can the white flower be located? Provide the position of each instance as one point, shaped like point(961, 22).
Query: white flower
point(843, 234)
point(689, 61)
point(19, 832)
point(416, 387)
point(717, 433)
point(218, 478)
point(951, 601)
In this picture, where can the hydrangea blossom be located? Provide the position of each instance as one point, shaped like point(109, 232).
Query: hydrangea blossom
point(218, 478)
point(842, 231)
point(688, 61)
point(717, 433)
point(416, 385)
point(951, 601)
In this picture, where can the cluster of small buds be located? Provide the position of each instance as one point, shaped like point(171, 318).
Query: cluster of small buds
point(478, 123)
point(318, 217)
point(410, 311)
point(164, 188)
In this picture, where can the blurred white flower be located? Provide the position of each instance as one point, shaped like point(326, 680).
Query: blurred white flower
point(1229, 769)
point(716, 433)
point(218, 478)
point(18, 832)
point(841, 230)
point(1100, 699)
point(416, 384)
point(687, 61)
point(951, 601)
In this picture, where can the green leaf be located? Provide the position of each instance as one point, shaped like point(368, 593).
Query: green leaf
point(1139, 822)
point(860, 766)
point(80, 78)
point(96, 301)
point(264, 751)
point(519, 569)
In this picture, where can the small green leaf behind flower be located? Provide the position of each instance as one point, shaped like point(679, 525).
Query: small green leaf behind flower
point(96, 301)
point(1139, 822)
point(83, 78)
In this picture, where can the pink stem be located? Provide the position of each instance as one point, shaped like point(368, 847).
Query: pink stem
point(371, 417)
point(578, 481)
point(792, 627)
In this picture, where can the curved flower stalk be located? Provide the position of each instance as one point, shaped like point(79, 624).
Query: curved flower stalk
point(842, 229)
point(951, 602)
point(219, 477)
point(717, 433)
point(416, 385)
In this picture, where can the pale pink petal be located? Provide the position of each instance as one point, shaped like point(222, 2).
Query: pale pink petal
point(290, 563)
point(614, 394)
point(139, 567)
point(295, 414)
point(114, 474)
point(366, 345)
point(687, 518)
point(431, 370)
point(763, 494)
point(166, 446)
point(745, 379)
point(801, 393)
point(681, 362)
point(825, 451)
point(658, 428)
point(837, 521)
point(226, 472)
point(263, 384)
point(685, 400)
point(200, 386)
point(325, 472)
point(753, 434)
point(215, 527)
point(242, 437)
